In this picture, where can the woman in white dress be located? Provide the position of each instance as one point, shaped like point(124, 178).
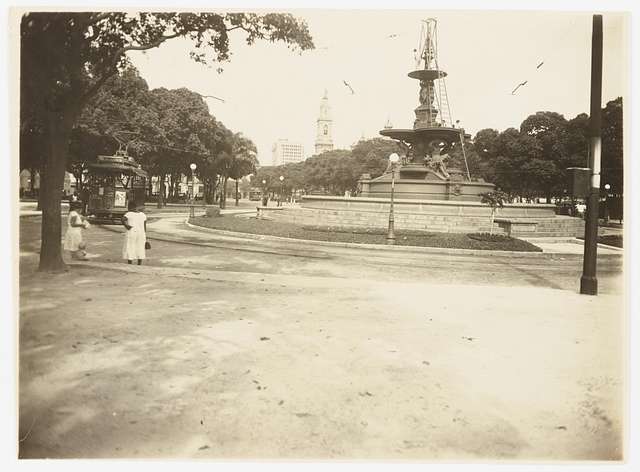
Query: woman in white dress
point(136, 235)
point(73, 238)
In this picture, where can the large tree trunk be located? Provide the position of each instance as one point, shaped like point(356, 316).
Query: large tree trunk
point(210, 190)
point(223, 193)
point(237, 198)
point(32, 173)
point(176, 179)
point(161, 180)
point(172, 187)
point(39, 194)
point(51, 186)
point(205, 190)
point(170, 183)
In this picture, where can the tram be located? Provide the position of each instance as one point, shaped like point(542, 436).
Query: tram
point(113, 182)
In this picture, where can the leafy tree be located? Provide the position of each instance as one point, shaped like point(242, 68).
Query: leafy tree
point(66, 58)
point(512, 149)
point(328, 172)
point(612, 147)
point(371, 156)
point(486, 142)
point(238, 161)
point(540, 175)
point(185, 128)
point(119, 116)
point(244, 160)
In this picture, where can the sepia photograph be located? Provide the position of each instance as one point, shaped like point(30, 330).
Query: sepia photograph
point(377, 235)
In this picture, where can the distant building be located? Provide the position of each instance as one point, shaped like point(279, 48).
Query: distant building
point(286, 152)
point(324, 140)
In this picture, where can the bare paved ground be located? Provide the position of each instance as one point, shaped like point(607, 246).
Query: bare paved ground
point(219, 353)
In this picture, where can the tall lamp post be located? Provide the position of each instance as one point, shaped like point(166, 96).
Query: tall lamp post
point(192, 212)
point(607, 187)
point(393, 160)
point(589, 280)
point(264, 199)
point(281, 190)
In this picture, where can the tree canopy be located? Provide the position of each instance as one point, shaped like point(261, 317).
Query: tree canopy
point(532, 161)
point(332, 172)
point(165, 130)
point(66, 58)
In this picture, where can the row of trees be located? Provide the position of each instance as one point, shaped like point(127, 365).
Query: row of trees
point(332, 172)
point(164, 130)
point(532, 161)
point(66, 59)
point(529, 162)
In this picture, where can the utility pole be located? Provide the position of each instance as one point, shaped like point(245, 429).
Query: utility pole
point(589, 281)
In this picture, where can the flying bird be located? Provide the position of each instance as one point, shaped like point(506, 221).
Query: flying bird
point(394, 35)
point(211, 96)
point(522, 84)
point(513, 92)
point(350, 88)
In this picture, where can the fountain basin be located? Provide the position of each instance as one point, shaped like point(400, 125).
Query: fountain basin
point(416, 183)
point(533, 219)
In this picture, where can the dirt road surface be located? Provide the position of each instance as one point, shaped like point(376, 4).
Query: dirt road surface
point(218, 353)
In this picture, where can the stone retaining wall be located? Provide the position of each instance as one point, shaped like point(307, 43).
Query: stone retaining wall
point(437, 216)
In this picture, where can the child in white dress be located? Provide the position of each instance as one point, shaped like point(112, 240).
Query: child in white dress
point(136, 235)
point(73, 238)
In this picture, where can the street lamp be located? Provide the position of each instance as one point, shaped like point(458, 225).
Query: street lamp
point(264, 199)
point(192, 212)
point(281, 190)
point(393, 160)
point(607, 187)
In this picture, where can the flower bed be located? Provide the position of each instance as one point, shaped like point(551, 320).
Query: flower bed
point(363, 236)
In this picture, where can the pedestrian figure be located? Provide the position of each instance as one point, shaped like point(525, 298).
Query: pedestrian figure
point(135, 221)
point(73, 238)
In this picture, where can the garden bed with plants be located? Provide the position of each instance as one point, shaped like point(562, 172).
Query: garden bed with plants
point(482, 241)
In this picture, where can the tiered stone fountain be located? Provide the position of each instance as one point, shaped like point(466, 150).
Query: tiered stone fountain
point(429, 195)
point(423, 172)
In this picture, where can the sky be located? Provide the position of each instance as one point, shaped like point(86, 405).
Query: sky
point(273, 93)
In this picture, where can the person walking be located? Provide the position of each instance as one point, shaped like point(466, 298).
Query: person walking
point(135, 221)
point(73, 238)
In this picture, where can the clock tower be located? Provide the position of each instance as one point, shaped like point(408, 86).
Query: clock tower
point(324, 141)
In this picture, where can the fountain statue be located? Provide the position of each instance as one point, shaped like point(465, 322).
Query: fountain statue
point(424, 172)
point(433, 188)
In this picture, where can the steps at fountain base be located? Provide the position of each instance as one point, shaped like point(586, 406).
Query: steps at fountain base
point(554, 226)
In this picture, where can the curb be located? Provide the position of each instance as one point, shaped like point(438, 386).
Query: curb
point(406, 249)
point(329, 244)
point(225, 245)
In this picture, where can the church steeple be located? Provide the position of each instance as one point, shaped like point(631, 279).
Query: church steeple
point(324, 140)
